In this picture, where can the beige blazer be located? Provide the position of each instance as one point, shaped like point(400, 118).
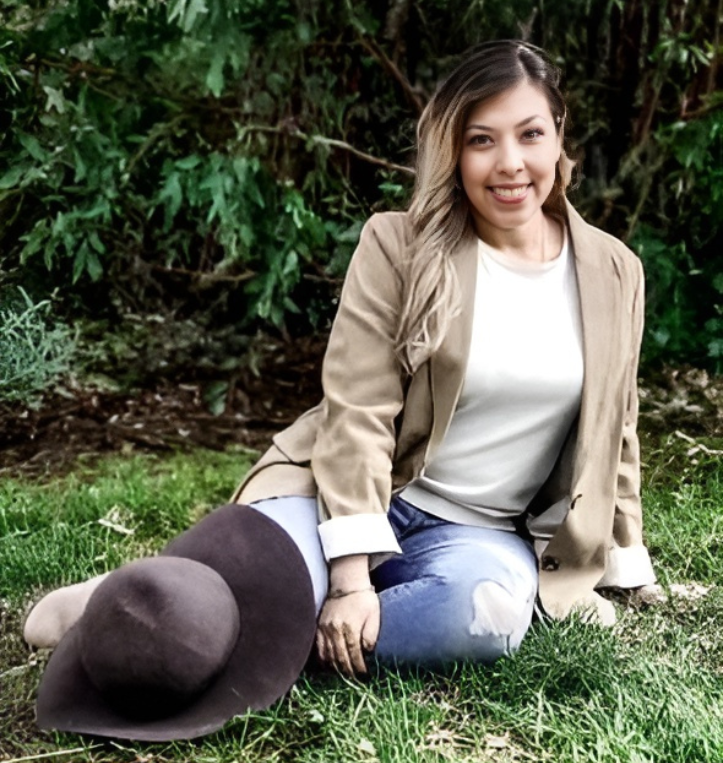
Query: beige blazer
point(377, 426)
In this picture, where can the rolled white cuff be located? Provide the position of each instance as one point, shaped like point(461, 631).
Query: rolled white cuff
point(358, 534)
point(628, 567)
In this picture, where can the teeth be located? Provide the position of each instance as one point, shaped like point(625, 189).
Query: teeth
point(510, 192)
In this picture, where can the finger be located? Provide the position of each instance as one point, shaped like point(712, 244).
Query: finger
point(354, 650)
point(342, 660)
point(322, 647)
point(370, 631)
point(326, 646)
point(329, 644)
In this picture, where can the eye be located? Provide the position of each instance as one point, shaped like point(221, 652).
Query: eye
point(479, 140)
point(533, 133)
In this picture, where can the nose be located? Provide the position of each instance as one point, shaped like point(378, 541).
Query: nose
point(509, 158)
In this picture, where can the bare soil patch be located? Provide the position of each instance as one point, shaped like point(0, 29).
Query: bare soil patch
point(82, 424)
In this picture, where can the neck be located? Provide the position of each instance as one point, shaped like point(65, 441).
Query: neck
point(539, 240)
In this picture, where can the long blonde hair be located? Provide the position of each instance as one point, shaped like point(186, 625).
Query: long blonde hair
point(439, 211)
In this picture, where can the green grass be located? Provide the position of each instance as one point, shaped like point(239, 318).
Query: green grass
point(93, 520)
point(648, 690)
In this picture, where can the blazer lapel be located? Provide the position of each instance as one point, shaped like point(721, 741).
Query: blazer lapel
point(600, 314)
point(449, 363)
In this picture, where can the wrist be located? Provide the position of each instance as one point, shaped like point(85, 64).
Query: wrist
point(349, 573)
point(340, 593)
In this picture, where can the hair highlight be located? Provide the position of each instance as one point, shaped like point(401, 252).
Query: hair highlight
point(439, 211)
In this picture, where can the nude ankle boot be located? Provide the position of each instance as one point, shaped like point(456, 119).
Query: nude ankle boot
point(57, 612)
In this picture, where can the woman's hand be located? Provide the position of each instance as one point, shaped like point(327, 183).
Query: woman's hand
point(347, 628)
point(349, 621)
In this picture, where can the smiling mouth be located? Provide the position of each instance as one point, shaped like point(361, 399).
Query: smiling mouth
point(510, 193)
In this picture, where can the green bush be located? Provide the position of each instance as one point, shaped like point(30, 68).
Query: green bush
point(212, 161)
point(34, 351)
point(682, 253)
point(152, 162)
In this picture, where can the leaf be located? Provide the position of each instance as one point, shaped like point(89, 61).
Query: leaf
point(80, 260)
point(291, 264)
point(93, 266)
point(186, 12)
point(351, 234)
point(33, 147)
point(304, 32)
point(81, 168)
point(55, 100)
point(172, 195)
point(11, 178)
point(215, 397)
point(96, 243)
point(215, 80)
point(176, 10)
point(215, 184)
point(246, 234)
point(715, 348)
point(291, 307)
point(59, 224)
point(101, 208)
point(195, 8)
point(188, 162)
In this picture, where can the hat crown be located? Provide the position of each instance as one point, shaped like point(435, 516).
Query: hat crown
point(156, 633)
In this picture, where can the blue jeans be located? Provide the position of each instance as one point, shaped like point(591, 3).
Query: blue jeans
point(456, 592)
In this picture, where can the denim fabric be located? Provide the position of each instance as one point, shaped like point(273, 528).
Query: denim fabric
point(434, 608)
point(456, 593)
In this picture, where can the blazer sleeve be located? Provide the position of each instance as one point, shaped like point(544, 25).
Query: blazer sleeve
point(363, 385)
point(629, 563)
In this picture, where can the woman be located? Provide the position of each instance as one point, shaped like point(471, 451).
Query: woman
point(480, 393)
point(476, 449)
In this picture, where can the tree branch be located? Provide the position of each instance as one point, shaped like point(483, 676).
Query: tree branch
point(324, 141)
point(356, 152)
point(203, 275)
point(414, 98)
point(157, 132)
point(701, 111)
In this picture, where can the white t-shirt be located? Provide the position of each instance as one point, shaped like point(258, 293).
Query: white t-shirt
point(521, 393)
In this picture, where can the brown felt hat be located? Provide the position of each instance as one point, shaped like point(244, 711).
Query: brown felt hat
point(171, 647)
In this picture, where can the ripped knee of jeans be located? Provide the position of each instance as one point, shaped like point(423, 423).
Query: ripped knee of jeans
point(496, 611)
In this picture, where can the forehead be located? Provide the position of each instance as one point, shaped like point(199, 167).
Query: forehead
point(511, 106)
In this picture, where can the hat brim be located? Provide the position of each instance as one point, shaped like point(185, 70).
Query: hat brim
point(269, 579)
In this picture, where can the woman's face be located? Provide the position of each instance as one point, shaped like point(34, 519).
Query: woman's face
point(510, 149)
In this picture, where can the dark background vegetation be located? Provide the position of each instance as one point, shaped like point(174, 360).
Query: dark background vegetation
point(181, 180)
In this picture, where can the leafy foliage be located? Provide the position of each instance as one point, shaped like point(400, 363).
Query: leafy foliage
point(212, 160)
point(33, 351)
point(682, 254)
point(122, 153)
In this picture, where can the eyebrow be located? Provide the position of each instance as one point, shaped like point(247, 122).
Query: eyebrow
point(519, 124)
